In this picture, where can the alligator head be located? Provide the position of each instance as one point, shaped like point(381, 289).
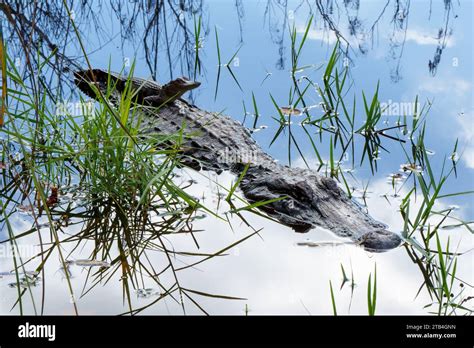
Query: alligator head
point(176, 88)
point(312, 200)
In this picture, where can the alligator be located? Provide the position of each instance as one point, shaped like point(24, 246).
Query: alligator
point(300, 198)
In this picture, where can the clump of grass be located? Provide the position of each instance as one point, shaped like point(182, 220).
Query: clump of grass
point(437, 264)
point(338, 117)
point(336, 120)
point(125, 181)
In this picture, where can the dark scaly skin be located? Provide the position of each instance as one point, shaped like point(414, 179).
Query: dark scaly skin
point(312, 200)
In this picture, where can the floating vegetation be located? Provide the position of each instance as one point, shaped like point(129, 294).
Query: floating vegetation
point(376, 155)
point(258, 129)
point(330, 243)
point(430, 152)
point(90, 263)
point(396, 178)
point(147, 292)
point(290, 111)
point(26, 281)
point(451, 227)
point(411, 167)
point(303, 68)
point(28, 274)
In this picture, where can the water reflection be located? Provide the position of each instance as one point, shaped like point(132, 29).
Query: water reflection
point(164, 32)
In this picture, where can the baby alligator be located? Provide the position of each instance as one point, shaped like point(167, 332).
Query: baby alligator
point(217, 142)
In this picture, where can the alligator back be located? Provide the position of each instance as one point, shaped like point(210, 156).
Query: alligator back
point(101, 79)
point(212, 141)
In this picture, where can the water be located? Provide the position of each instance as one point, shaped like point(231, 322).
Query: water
point(273, 272)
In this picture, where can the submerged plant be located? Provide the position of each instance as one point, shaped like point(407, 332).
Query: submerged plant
point(95, 170)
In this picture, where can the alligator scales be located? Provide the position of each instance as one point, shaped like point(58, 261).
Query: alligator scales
point(311, 199)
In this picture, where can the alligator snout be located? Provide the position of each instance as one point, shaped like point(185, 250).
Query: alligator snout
point(380, 241)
